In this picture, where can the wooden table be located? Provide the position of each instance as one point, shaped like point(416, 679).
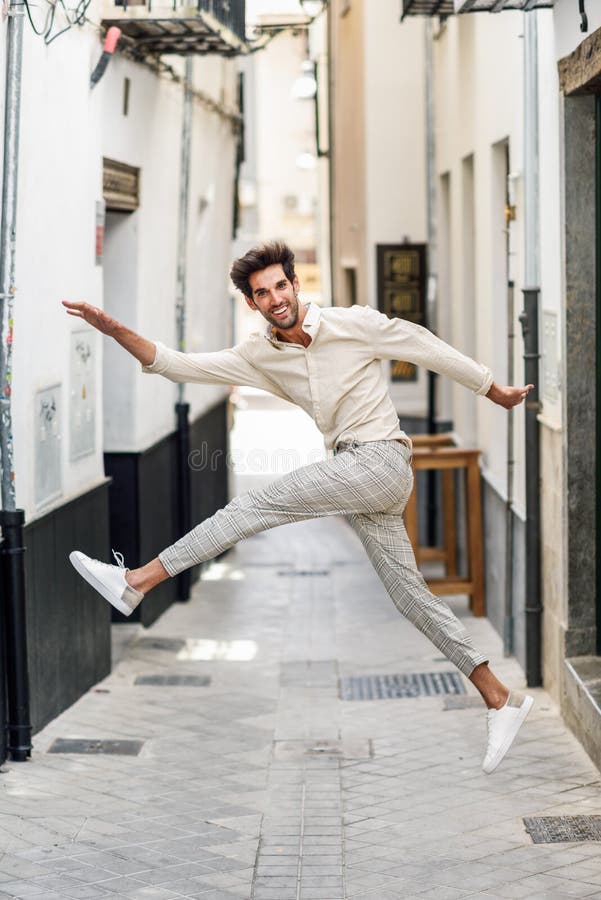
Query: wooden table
point(432, 452)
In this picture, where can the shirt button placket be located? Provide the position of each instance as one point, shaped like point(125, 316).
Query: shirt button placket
point(314, 387)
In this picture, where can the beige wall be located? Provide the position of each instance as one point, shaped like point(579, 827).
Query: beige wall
point(348, 150)
point(477, 114)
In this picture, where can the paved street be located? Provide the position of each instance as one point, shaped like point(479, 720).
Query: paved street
point(264, 784)
point(254, 779)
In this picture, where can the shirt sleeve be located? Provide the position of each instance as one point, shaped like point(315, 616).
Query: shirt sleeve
point(227, 367)
point(400, 339)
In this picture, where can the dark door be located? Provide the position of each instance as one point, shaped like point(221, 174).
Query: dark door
point(2, 685)
point(598, 360)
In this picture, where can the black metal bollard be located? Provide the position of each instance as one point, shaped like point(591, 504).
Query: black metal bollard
point(17, 675)
point(534, 606)
point(183, 489)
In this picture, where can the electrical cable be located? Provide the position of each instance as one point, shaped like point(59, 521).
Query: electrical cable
point(32, 23)
point(75, 16)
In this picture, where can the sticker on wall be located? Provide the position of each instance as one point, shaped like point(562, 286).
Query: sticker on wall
point(82, 398)
point(550, 360)
point(99, 238)
point(47, 447)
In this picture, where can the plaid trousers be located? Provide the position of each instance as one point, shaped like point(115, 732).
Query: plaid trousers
point(368, 483)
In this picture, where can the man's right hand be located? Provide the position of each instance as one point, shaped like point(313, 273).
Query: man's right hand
point(92, 315)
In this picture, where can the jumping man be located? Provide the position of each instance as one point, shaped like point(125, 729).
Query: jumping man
point(327, 361)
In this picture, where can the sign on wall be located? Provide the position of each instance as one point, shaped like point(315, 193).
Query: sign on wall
point(47, 444)
point(401, 272)
point(99, 236)
point(82, 399)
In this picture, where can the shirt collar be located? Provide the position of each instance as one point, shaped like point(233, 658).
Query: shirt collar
point(310, 322)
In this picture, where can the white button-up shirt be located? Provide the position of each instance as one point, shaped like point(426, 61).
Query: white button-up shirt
point(338, 378)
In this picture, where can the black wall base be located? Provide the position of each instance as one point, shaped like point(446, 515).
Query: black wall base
point(68, 625)
point(144, 501)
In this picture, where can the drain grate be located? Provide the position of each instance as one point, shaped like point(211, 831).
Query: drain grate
point(77, 745)
point(175, 680)
point(389, 687)
point(463, 702)
point(304, 573)
point(559, 829)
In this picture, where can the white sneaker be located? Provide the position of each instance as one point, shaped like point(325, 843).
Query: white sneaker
point(503, 725)
point(108, 580)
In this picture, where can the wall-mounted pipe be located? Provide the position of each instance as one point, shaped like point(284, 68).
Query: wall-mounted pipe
point(12, 519)
point(182, 409)
point(432, 291)
point(529, 320)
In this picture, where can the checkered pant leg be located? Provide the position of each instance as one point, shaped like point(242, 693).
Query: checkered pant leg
point(389, 549)
point(348, 482)
point(368, 484)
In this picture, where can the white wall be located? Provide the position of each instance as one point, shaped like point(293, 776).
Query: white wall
point(66, 129)
point(284, 129)
point(479, 105)
point(395, 151)
point(567, 24)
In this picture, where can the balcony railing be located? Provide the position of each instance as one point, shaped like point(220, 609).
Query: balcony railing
point(448, 7)
point(155, 27)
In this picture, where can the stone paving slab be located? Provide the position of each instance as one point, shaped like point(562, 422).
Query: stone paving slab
point(264, 785)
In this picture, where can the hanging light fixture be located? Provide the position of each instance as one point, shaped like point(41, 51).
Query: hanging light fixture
point(313, 8)
point(305, 86)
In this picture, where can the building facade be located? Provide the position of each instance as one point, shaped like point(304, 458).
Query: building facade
point(113, 212)
point(494, 118)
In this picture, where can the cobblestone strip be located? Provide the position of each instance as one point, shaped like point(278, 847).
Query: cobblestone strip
point(301, 853)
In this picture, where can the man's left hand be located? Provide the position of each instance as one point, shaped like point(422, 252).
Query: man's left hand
point(508, 397)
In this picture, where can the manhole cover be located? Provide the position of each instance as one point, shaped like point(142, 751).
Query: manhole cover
point(389, 687)
point(347, 749)
point(89, 745)
point(305, 573)
point(464, 702)
point(558, 829)
point(175, 680)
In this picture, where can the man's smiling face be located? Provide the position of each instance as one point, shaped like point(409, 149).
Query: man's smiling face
point(275, 296)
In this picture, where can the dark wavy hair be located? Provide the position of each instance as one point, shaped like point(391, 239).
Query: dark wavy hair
point(267, 254)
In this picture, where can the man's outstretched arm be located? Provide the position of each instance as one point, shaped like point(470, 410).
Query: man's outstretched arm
point(508, 396)
point(143, 350)
point(400, 339)
point(224, 367)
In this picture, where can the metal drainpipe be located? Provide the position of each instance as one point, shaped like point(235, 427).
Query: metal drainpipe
point(182, 409)
point(529, 321)
point(332, 157)
point(12, 519)
point(508, 623)
point(432, 263)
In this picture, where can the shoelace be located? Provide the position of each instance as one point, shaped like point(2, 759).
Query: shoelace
point(118, 557)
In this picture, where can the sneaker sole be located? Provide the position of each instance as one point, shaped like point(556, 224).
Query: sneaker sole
point(524, 710)
point(80, 567)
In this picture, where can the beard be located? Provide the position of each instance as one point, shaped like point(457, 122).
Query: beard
point(289, 320)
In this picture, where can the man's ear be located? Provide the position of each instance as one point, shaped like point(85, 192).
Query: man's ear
point(250, 302)
point(296, 284)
